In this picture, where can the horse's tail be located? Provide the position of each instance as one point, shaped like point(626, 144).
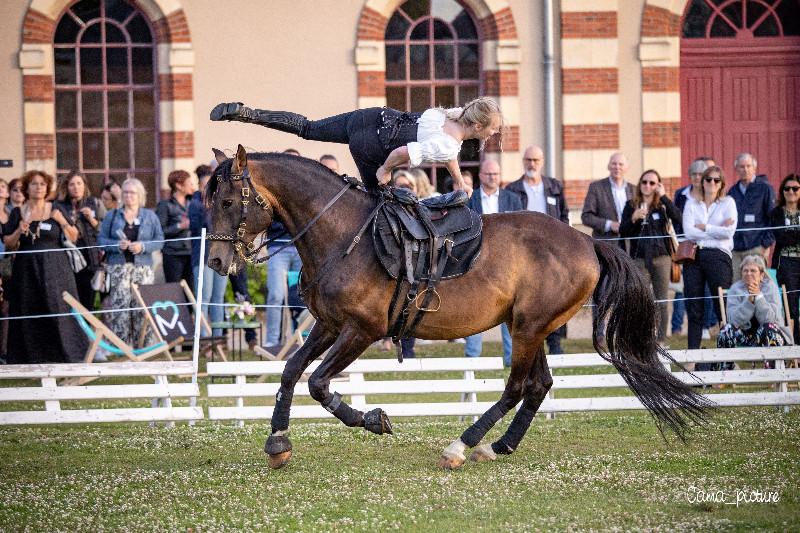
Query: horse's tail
point(623, 296)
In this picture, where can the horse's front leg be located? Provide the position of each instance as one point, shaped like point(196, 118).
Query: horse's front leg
point(348, 347)
point(278, 445)
point(521, 360)
point(536, 389)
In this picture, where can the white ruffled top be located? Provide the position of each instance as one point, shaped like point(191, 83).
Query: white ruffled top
point(433, 144)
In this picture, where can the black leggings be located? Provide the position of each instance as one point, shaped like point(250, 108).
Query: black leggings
point(789, 275)
point(710, 266)
point(359, 130)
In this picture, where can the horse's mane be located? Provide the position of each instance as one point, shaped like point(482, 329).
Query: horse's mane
point(224, 169)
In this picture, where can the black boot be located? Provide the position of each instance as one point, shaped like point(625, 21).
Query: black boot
point(276, 120)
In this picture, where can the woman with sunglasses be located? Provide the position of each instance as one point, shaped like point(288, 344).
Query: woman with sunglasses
point(786, 257)
point(16, 196)
point(645, 217)
point(710, 224)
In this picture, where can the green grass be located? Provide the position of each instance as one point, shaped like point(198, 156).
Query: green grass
point(581, 471)
point(602, 471)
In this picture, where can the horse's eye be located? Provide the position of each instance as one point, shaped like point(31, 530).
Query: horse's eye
point(226, 204)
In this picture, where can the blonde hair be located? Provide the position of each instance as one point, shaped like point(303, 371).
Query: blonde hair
point(481, 110)
point(406, 175)
point(140, 190)
point(424, 187)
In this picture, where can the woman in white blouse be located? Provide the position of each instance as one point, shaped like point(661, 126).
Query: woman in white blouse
point(381, 139)
point(710, 224)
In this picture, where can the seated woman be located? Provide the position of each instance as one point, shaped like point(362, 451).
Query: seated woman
point(754, 309)
point(381, 139)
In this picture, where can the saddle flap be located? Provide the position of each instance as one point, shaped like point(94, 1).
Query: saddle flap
point(451, 199)
point(413, 225)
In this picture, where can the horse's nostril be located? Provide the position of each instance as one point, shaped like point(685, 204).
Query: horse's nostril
point(215, 263)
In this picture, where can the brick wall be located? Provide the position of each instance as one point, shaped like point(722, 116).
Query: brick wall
point(589, 80)
point(589, 25)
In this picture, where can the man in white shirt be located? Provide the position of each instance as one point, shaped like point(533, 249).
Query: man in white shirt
point(490, 199)
point(544, 195)
point(606, 198)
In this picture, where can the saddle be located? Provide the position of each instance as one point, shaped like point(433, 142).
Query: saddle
point(421, 243)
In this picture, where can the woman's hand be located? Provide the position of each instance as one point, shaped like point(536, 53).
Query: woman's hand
point(660, 191)
point(136, 247)
point(88, 214)
point(24, 226)
point(59, 217)
point(728, 222)
point(384, 175)
point(701, 227)
point(124, 245)
point(639, 214)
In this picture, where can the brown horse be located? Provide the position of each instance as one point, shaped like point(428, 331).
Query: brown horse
point(534, 273)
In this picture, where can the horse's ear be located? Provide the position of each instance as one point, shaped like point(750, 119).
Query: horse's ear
point(219, 155)
point(240, 161)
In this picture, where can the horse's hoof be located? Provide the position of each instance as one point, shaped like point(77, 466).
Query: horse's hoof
point(450, 462)
point(377, 422)
point(277, 444)
point(279, 460)
point(482, 454)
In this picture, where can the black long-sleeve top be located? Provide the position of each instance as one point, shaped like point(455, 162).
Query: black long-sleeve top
point(656, 225)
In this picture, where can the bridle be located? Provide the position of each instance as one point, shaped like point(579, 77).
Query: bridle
point(248, 251)
point(245, 250)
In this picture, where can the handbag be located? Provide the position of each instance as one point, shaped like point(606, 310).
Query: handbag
point(76, 259)
point(101, 281)
point(675, 273)
point(685, 253)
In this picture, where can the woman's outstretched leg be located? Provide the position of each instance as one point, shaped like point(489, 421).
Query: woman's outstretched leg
point(332, 129)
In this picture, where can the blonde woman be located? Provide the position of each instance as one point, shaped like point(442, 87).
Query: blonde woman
point(381, 139)
point(130, 235)
point(424, 187)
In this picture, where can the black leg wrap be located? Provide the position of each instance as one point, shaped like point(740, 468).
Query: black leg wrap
point(377, 422)
point(280, 416)
point(517, 429)
point(501, 448)
point(349, 416)
point(475, 433)
point(277, 444)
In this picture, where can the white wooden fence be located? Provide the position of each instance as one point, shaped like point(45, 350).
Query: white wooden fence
point(357, 387)
point(777, 386)
point(52, 393)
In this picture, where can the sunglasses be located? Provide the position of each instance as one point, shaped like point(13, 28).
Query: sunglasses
point(653, 183)
point(788, 188)
point(715, 180)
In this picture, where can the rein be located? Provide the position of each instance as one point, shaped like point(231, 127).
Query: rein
point(248, 250)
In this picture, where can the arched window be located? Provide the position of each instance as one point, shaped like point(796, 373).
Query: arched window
point(433, 60)
point(742, 19)
point(105, 93)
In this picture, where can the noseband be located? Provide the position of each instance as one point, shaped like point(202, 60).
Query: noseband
point(245, 250)
point(248, 251)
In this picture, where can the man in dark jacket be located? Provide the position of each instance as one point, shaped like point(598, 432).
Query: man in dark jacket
point(488, 199)
point(544, 195)
point(754, 201)
point(606, 198)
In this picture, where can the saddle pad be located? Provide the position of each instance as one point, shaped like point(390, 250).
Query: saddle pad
point(387, 234)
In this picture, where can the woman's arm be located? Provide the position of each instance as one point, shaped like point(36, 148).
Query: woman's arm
point(455, 173)
point(11, 239)
point(399, 156)
point(689, 220)
point(70, 231)
point(158, 234)
point(730, 219)
point(673, 212)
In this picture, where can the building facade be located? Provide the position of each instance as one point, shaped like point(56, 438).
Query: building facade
point(124, 87)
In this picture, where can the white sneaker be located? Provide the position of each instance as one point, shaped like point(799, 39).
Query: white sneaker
point(706, 334)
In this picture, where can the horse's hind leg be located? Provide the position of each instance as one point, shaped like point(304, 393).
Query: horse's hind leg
point(536, 388)
point(453, 456)
point(278, 445)
point(351, 343)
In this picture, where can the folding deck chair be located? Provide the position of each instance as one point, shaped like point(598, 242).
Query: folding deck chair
point(177, 299)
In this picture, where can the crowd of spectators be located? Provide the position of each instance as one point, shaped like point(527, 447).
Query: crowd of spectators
point(122, 234)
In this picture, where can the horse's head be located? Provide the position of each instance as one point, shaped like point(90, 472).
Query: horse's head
point(238, 213)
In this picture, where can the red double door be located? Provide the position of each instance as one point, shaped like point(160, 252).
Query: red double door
point(742, 101)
